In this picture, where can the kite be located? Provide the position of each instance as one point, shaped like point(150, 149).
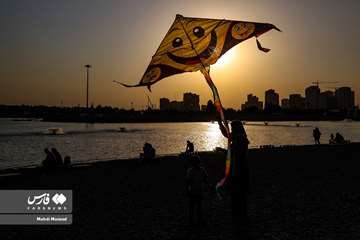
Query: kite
point(193, 44)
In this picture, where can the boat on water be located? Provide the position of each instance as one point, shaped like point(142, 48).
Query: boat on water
point(54, 131)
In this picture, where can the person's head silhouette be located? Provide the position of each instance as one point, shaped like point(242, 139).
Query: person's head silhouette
point(238, 130)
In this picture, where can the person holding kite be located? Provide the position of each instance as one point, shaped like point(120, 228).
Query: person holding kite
point(238, 182)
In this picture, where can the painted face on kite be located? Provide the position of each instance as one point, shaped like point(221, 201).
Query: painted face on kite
point(194, 43)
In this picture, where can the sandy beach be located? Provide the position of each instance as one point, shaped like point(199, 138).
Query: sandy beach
point(302, 192)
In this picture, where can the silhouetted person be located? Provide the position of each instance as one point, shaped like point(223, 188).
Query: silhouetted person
point(316, 135)
point(49, 161)
point(149, 152)
point(189, 147)
point(339, 139)
point(332, 139)
point(239, 172)
point(196, 179)
point(58, 157)
point(67, 161)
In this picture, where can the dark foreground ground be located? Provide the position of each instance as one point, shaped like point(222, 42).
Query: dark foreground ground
point(305, 192)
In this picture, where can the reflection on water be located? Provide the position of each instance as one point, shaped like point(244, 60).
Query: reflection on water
point(22, 143)
point(213, 137)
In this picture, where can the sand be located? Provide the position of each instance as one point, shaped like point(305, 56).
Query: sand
point(304, 192)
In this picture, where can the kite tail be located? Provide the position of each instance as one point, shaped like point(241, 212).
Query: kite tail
point(220, 111)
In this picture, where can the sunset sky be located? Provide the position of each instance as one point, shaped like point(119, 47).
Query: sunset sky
point(45, 45)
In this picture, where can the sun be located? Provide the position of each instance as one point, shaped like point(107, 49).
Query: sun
point(225, 59)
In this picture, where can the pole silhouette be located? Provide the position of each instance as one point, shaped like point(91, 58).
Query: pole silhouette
point(88, 66)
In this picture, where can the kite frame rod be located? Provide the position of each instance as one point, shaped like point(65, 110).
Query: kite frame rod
point(211, 84)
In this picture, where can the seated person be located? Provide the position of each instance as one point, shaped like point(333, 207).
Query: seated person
point(149, 152)
point(189, 147)
point(339, 139)
point(49, 161)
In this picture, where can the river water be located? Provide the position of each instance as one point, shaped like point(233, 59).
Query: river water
point(22, 142)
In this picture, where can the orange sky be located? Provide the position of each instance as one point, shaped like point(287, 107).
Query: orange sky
point(46, 44)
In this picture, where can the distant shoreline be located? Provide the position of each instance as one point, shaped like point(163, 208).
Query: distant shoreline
point(249, 118)
point(108, 114)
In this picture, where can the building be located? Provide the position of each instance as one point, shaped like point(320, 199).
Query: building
point(312, 97)
point(176, 106)
point(296, 101)
point(285, 104)
point(252, 102)
point(191, 102)
point(164, 104)
point(271, 98)
point(345, 98)
point(327, 100)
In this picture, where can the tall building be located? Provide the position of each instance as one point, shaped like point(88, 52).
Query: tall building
point(285, 104)
point(345, 98)
point(312, 97)
point(296, 101)
point(327, 100)
point(252, 101)
point(271, 98)
point(191, 102)
point(164, 104)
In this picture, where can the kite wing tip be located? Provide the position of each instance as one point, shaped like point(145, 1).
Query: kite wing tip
point(276, 28)
point(125, 85)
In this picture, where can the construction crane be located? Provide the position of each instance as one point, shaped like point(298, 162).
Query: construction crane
point(317, 83)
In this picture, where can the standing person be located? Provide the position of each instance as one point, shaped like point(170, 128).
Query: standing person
point(196, 178)
point(239, 176)
point(316, 135)
point(189, 147)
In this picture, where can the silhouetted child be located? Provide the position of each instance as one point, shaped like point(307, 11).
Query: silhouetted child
point(49, 161)
point(58, 157)
point(196, 179)
point(189, 147)
point(316, 135)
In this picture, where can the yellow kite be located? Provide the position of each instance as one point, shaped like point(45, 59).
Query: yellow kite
point(192, 44)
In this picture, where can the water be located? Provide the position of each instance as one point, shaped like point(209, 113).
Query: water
point(22, 142)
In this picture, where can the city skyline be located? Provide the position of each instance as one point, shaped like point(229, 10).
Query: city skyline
point(47, 44)
point(312, 99)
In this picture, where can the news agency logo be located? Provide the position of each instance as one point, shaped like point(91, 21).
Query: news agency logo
point(43, 202)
